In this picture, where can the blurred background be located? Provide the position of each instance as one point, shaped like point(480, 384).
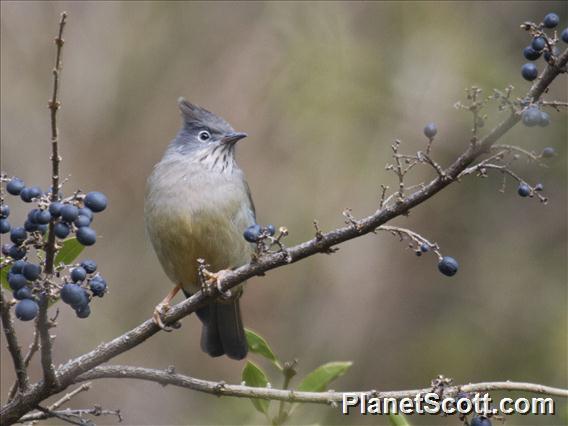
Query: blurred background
point(322, 89)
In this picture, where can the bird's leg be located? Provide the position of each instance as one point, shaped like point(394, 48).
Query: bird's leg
point(215, 278)
point(163, 307)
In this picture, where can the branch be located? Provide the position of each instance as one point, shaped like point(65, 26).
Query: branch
point(68, 415)
point(34, 346)
point(166, 377)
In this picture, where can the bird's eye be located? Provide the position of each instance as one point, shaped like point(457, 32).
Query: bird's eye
point(204, 135)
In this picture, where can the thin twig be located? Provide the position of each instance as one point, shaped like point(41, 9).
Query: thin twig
point(83, 388)
point(77, 413)
point(27, 359)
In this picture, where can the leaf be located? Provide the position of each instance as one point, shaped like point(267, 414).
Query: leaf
point(69, 252)
point(259, 345)
point(319, 379)
point(4, 278)
point(398, 420)
point(254, 376)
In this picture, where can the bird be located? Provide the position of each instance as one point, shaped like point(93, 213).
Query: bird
point(197, 206)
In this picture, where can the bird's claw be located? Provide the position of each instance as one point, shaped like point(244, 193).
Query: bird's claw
point(215, 279)
point(159, 310)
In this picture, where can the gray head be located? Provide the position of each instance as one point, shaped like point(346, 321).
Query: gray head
point(205, 137)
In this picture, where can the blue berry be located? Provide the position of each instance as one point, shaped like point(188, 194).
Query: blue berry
point(84, 300)
point(32, 214)
point(480, 421)
point(42, 217)
point(61, 230)
point(4, 211)
point(524, 190)
point(23, 293)
point(16, 252)
point(544, 119)
point(538, 43)
point(84, 211)
point(539, 187)
point(551, 20)
point(86, 236)
point(72, 294)
point(531, 54)
point(6, 249)
point(252, 233)
point(55, 208)
point(270, 230)
point(69, 212)
point(18, 266)
point(26, 195)
point(78, 274)
point(424, 247)
point(4, 226)
point(430, 130)
point(31, 271)
point(30, 226)
point(18, 235)
point(15, 186)
point(82, 221)
point(548, 152)
point(26, 310)
point(96, 201)
point(529, 71)
point(42, 228)
point(564, 35)
point(548, 55)
point(89, 265)
point(98, 286)
point(531, 116)
point(448, 266)
point(17, 281)
point(83, 311)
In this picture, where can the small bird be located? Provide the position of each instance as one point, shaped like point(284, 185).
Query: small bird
point(197, 206)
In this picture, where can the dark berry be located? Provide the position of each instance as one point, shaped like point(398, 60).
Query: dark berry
point(4, 226)
point(252, 233)
point(270, 230)
point(32, 271)
point(539, 187)
point(18, 266)
point(78, 274)
point(26, 195)
point(538, 43)
point(26, 310)
point(4, 211)
point(42, 228)
point(16, 252)
point(548, 55)
point(42, 217)
point(430, 130)
point(15, 186)
point(529, 71)
point(86, 236)
point(524, 190)
point(17, 281)
point(548, 152)
point(531, 116)
point(98, 286)
point(32, 215)
point(544, 119)
point(72, 294)
point(83, 311)
point(84, 211)
point(69, 212)
point(83, 300)
point(30, 226)
point(448, 266)
point(55, 208)
point(61, 230)
point(18, 235)
point(82, 221)
point(424, 247)
point(531, 54)
point(6, 249)
point(96, 201)
point(551, 20)
point(23, 293)
point(89, 265)
point(564, 35)
point(480, 421)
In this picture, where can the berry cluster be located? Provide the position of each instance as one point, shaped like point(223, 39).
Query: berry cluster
point(67, 216)
point(255, 232)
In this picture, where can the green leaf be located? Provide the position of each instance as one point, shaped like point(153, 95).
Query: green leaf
point(259, 345)
point(398, 420)
point(4, 277)
point(319, 379)
point(69, 252)
point(254, 376)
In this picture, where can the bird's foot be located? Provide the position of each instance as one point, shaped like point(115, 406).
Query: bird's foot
point(162, 308)
point(215, 279)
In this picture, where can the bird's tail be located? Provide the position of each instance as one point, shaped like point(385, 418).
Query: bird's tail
point(223, 332)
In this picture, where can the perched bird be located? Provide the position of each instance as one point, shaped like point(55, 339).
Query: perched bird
point(197, 206)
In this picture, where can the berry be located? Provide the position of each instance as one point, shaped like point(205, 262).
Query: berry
point(78, 274)
point(544, 119)
point(15, 186)
point(98, 286)
point(252, 233)
point(42, 217)
point(6, 249)
point(480, 421)
point(529, 71)
point(23, 293)
point(17, 281)
point(18, 235)
point(61, 230)
point(539, 187)
point(82, 221)
point(26, 310)
point(448, 266)
point(26, 195)
point(531, 116)
point(18, 266)
point(42, 228)
point(31, 271)
point(86, 236)
point(538, 43)
point(69, 213)
point(16, 252)
point(4, 226)
point(551, 20)
point(564, 35)
point(4, 211)
point(530, 54)
point(72, 294)
point(84, 211)
point(55, 208)
point(524, 190)
point(30, 226)
point(430, 130)
point(424, 247)
point(270, 230)
point(84, 300)
point(89, 265)
point(32, 215)
point(548, 152)
point(548, 55)
point(96, 201)
point(83, 311)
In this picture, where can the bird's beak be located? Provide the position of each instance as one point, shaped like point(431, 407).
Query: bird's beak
point(232, 138)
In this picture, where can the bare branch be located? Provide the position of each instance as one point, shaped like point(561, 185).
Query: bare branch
point(34, 346)
point(69, 415)
point(83, 388)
